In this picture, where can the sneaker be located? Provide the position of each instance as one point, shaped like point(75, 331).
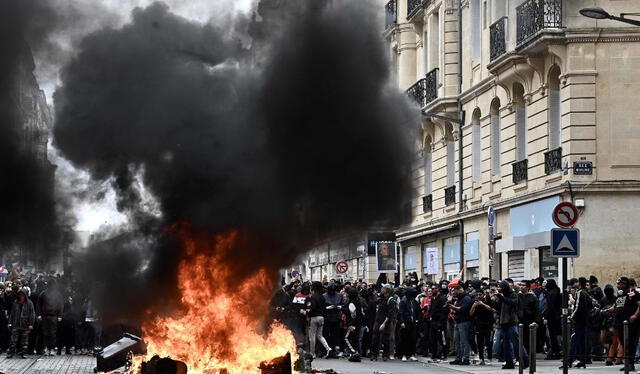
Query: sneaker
point(404, 358)
point(22, 355)
point(413, 358)
point(508, 365)
point(10, 355)
point(481, 363)
point(328, 353)
point(455, 362)
point(465, 363)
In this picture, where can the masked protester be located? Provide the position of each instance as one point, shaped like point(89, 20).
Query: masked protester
point(315, 310)
point(409, 313)
point(609, 332)
point(49, 310)
point(439, 315)
point(355, 317)
point(552, 318)
point(627, 308)
point(333, 302)
point(508, 324)
point(21, 322)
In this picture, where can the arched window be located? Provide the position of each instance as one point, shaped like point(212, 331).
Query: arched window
point(476, 148)
point(451, 166)
point(521, 122)
point(428, 166)
point(554, 108)
point(495, 136)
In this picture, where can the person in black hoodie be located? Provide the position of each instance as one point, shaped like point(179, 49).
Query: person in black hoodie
point(528, 310)
point(553, 317)
point(579, 317)
point(333, 301)
point(439, 315)
point(509, 324)
point(354, 313)
point(49, 311)
point(315, 308)
point(21, 322)
point(482, 316)
point(408, 318)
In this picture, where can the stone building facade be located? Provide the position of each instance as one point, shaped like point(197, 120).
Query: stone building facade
point(547, 100)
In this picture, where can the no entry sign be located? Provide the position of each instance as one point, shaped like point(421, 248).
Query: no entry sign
point(342, 267)
point(565, 214)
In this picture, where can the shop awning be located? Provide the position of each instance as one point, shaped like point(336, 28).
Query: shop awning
point(434, 230)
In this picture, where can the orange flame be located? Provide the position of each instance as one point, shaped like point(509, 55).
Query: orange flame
point(217, 332)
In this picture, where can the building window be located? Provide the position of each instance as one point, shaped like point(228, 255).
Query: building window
point(521, 122)
point(428, 166)
point(495, 137)
point(476, 149)
point(434, 41)
point(451, 166)
point(554, 108)
point(409, 259)
point(485, 15)
point(476, 30)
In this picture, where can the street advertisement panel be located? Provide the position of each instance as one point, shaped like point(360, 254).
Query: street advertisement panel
point(386, 255)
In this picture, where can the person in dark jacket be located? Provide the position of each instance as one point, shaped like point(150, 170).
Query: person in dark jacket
point(298, 307)
point(66, 329)
point(21, 322)
point(382, 325)
point(462, 320)
point(509, 324)
point(49, 311)
point(315, 309)
point(333, 301)
point(552, 318)
point(528, 309)
point(354, 313)
point(439, 313)
point(579, 317)
point(482, 315)
point(5, 334)
point(409, 313)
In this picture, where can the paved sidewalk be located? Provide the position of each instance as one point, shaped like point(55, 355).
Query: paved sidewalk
point(48, 365)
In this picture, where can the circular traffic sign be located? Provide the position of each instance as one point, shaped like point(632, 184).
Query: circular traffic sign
point(565, 214)
point(342, 267)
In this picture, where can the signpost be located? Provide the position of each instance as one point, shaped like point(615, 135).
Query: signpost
point(491, 218)
point(565, 243)
point(342, 267)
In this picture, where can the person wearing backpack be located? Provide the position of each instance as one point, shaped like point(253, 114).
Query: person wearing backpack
point(579, 318)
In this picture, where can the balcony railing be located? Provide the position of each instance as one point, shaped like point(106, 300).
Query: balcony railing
point(536, 15)
point(553, 161)
point(498, 38)
point(425, 90)
point(450, 195)
point(391, 14)
point(427, 203)
point(413, 6)
point(520, 171)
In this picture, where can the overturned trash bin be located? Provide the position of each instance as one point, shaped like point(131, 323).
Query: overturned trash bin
point(117, 354)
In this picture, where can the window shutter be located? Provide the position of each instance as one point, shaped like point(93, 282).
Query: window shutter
point(476, 150)
point(427, 173)
point(476, 30)
point(554, 119)
point(495, 144)
point(451, 166)
point(521, 133)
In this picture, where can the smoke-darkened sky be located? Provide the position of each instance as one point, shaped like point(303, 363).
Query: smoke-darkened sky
point(283, 124)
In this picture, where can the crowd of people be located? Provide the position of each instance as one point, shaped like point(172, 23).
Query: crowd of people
point(473, 322)
point(43, 316)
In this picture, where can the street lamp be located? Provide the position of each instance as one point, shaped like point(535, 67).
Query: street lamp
point(598, 13)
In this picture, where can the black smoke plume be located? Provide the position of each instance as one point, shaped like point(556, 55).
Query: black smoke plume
point(292, 136)
point(28, 218)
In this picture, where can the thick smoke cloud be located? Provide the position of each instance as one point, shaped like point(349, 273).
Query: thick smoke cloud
point(28, 218)
point(292, 139)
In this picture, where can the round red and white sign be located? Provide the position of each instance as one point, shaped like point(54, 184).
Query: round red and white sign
point(565, 214)
point(342, 267)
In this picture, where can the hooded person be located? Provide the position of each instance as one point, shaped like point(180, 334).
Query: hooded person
point(610, 335)
point(49, 309)
point(355, 318)
point(409, 315)
point(21, 322)
point(509, 323)
point(333, 301)
point(552, 318)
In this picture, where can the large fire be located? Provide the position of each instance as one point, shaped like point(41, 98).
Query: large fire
point(218, 330)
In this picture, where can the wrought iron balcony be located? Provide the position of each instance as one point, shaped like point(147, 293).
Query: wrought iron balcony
point(391, 16)
point(450, 195)
point(413, 6)
point(520, 171)
point(553, 161)
point(498, 38)
point(425, 90)
point(427, 203)
point(536, 15)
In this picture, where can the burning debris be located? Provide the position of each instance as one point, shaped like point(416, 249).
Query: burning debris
point(164, 365)
point(279, 365)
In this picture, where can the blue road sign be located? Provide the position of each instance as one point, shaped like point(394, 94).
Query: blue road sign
point(565, 243)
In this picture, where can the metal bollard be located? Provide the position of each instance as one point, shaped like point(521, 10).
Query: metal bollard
point(625, 344)
point(520, 348)
point(566, 331)
point(533, 330)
